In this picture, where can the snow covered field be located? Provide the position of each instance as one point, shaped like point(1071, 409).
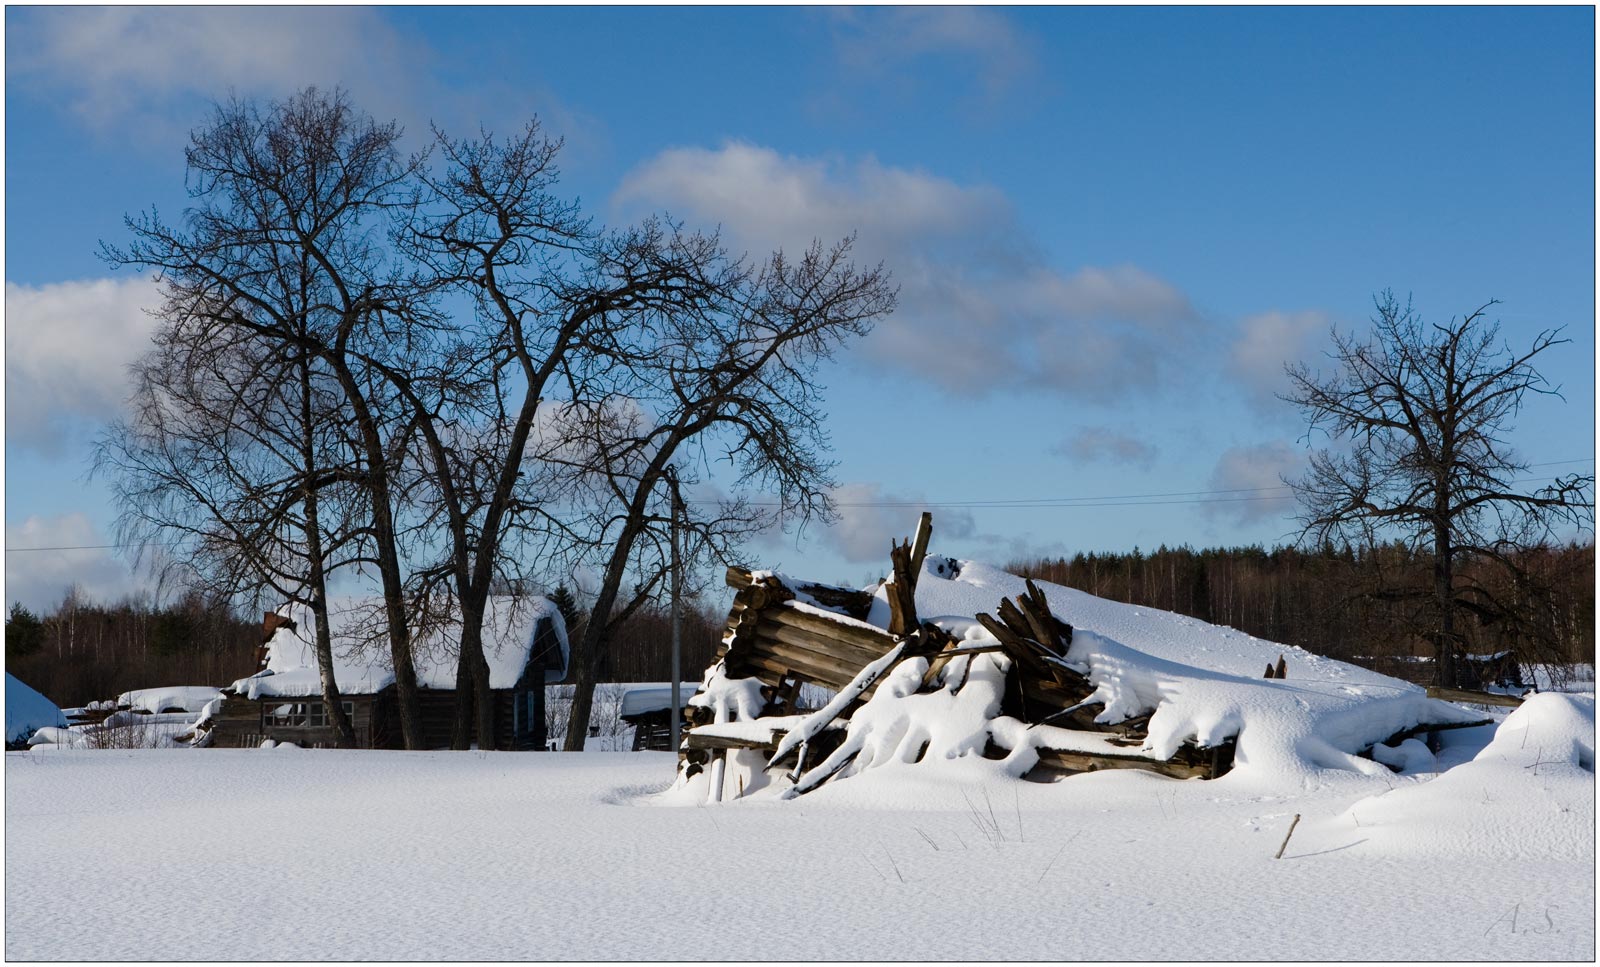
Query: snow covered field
point(290, 854)
point(1483, 852)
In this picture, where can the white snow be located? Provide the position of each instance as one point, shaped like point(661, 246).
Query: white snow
point(729, 699)
point(1483, 852)
point(363, 855)
point(643, 697)
point(360, 649)
point(27, 710)
point(181, 698)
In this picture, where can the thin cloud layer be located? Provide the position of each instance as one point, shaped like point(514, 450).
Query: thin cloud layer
point(872, 43)
point(979, 308)
point(1259, 469)
point(145, 74)
point(68, 347)
point(130, 67)
point(871, 519)
point(1266, 342)
point(40, 579)
point(1100, 444)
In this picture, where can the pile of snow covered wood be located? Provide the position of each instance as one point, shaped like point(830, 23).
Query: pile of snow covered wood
point(956, 661)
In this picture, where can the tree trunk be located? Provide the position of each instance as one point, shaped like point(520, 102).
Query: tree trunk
point(461, 728)
point(1444, 599)
point(383, 535)
point(344, 732)
point(586, 661)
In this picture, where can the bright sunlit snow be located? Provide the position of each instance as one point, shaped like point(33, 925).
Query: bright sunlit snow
point(1484, 851)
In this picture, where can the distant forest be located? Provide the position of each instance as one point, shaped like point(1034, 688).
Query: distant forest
point(1322, 601)
point(1328, 601)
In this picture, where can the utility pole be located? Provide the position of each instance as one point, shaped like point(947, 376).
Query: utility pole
point(677, 594)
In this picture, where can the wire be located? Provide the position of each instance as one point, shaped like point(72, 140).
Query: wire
point(1038, 503)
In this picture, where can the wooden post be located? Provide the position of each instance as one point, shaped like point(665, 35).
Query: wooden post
point(919, 545)
point(719, 765)
point(902, 590)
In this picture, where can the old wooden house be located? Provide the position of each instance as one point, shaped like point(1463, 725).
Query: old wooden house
point(525, 645)
point(938, 663)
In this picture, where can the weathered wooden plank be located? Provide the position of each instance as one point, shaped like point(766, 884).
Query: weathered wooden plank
point(772, 668)
point(919, 545)
point(842, 649)
point(1472, 698)
point(1072, 762)
point(902, 592)
point(872, 639)
point(1425, 728)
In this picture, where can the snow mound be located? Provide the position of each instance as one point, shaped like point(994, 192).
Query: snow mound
point(1529, 794)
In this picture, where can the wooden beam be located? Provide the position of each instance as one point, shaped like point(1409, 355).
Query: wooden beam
point(1471, 697)
point(919, 545)
point(902, 590)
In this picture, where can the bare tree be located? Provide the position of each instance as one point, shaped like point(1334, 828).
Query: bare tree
point(1419, 413)
point(492, 229)
point(238, 454)
point(288, 243)
point(725, 371)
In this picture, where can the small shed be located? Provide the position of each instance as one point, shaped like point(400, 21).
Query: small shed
point(648, 708)
point(525, 645)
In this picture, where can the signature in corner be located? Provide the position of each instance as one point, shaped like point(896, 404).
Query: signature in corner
point(1516, 923)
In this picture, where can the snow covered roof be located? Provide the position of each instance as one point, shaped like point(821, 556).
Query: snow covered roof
point(182, 698)
point(654, 697)
point(28, 711)
point(512, 628)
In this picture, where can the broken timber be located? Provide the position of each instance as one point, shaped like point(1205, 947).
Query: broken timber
point(786, 633)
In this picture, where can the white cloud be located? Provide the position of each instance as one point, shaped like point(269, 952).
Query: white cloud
point(39, 579)
point(127, 67)
point(145, 74)
point(1269, 340)
point(68, 346)
point(1100, 444)
point(1255, 474)
point(873, 43)
point(866, 527)
point(978, 307)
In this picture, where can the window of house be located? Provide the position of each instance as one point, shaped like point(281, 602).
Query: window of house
point(300, 715)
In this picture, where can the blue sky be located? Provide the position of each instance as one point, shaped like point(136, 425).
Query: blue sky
point(1111, 227)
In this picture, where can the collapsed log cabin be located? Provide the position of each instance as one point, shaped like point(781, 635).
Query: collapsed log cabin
point(525, 646)
point(1041, 708)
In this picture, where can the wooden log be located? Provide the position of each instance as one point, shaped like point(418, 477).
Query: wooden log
point(919, 546)
point(1271, 672)
point(1037, 610)
point(1014, 619)
point(902, 590)
point(780, 642)
point(854, 602)
point(939, 659)
point(1471, 697)
point(1426, 727)
point(771, 668)
point(853, 639)
point(874, 640)
point(1065, 761)
point(1282, 671)
point(1001, 633)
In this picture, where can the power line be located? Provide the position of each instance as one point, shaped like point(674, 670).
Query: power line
point(1038, 503)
